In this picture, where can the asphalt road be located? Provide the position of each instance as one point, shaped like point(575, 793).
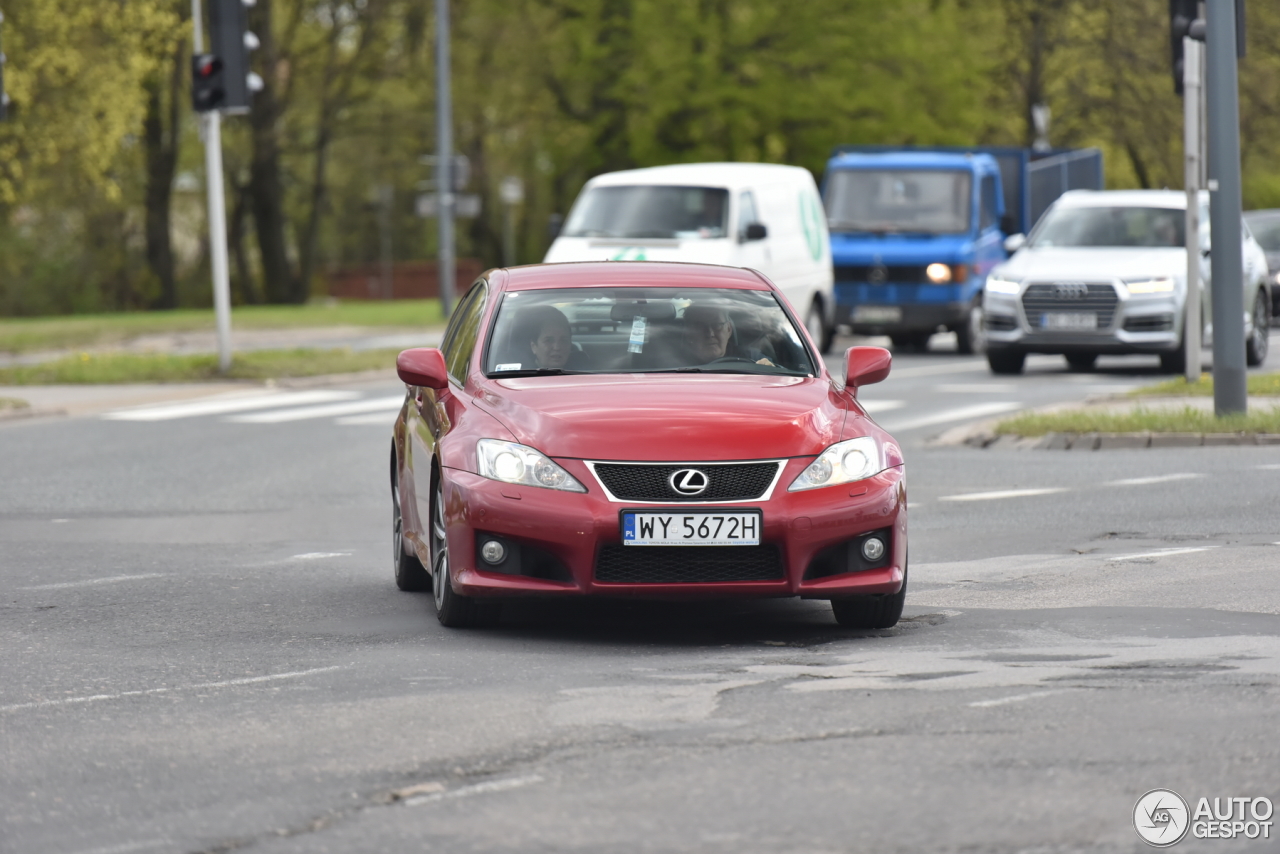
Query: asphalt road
point(204, 651)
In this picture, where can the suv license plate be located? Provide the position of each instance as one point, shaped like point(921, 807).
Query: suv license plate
point(1070, 320)
point(691, 529)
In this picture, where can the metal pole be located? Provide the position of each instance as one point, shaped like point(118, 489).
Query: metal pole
point(444, 157)
point(1222, 94)
point(211, 133)
point(1191, 144)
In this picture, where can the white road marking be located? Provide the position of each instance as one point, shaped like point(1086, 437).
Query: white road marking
point(94, 581)
point(277, 416)
point(477, 789)
point(127, 847)
point(316, 555)
point(1016, 698)
point(1147, 481)
point(1160, 553)
point(380, 419)
point(978, 388)
point(223, 405)
point(1003, 493)
point(977, 410)
point(230, 683)
point(1270, 467)
point(973, 367)
point(874, 406)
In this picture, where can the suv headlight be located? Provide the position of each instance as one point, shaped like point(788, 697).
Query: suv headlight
point(843, 462)
point(1150, 286)
point(512, 463)
point(1002, 286)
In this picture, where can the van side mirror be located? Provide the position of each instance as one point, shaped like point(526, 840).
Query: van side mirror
point(1014, 242)
point(555, 222)
point(423, 367)
point(865, 365)
point(757, 231)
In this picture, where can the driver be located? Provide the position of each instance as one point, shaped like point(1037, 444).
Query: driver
point(707, 336)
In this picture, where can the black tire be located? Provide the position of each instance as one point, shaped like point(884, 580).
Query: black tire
point(1082, 361)
point(820, 331)
point(1006, 361)
point(1255, 349)
point(410, 574)
point(453, 610)
point(911, 340)
point(1175, 361)
point(871, 612)
point(971, 336)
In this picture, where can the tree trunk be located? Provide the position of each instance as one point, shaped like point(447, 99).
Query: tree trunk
point(161, 135)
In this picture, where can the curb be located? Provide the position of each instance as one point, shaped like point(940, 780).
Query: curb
point(24, 412)
point(1119, 441)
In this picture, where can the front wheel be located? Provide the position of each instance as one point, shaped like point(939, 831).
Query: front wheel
point(971, 336)
point(1006, 361)
point(1255, 349)
point(1082, 361)
point(410, 574)
point(871, 612)
point(453, 610)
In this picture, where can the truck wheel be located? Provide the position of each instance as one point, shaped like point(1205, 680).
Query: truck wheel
point(1255, 349)
point(911, 340)
point(971, 337)
point(1006, 361)
point(820, 331)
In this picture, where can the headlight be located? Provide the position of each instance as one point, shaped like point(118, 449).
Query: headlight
point(938, 273)
point(843, 462)
point(1150, 286)
point(512, 463)
point(1003, 286)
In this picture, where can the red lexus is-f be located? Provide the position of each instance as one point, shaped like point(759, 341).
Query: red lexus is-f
point(642, 429)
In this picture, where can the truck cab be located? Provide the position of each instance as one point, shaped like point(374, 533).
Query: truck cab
point(913, 236)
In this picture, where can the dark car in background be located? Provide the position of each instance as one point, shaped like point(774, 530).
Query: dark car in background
point(1265, 226)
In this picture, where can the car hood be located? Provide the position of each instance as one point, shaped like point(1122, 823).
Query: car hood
point(662, 417)
point(1101, 263)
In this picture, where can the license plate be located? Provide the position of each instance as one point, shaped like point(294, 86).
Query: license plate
point(1071, 320)
point(691, 529)
point(877, 314)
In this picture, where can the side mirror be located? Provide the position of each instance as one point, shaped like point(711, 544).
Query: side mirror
point(865, 365)
point(757, 231)
point(1014, 242)
point(424, 367)
point(555, 222)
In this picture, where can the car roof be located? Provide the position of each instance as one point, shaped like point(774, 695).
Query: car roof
point(728, 175)
point(1176, 199)
point(626, 274)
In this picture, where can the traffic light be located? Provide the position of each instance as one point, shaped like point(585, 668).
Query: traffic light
point(1182, 15)
point(4, 96)
point(208, 92)
point(231, 43)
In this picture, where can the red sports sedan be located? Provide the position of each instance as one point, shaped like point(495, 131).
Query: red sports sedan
point(642, 429)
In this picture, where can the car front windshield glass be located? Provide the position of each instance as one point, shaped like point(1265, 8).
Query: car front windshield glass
point(1267, 232)
point(644, 330)
point(921, 201)
point(1110, 226)
point(650, 211)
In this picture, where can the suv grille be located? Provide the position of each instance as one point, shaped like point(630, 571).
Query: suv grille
point(728, 481)
point(897, 274)
point(687, 564)
point(1051, 296)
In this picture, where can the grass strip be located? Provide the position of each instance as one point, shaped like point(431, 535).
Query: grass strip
point(8, 404)
point(108, 368)
point(1186, 420)
point(1259, 384)
point(25, 335)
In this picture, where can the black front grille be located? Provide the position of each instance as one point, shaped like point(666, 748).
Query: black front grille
point(728, 481)
point(1149, 323)
point(1070, 297)
point(897, 274)
point(688, 564)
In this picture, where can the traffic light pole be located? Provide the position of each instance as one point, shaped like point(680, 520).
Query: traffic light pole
point(1222, 97)
point(211, 134)
point(444, 158)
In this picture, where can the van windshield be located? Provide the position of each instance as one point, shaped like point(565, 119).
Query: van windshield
point(918, 201)
point(650, 211)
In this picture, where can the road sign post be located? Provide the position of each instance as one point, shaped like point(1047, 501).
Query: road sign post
point(1192, 68)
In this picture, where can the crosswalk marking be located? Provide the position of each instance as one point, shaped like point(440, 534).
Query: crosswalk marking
point(224, 405)
point(1148, 481)
point(381, 419)
point(1003, 493)
point(963, 413)
point(278, 416)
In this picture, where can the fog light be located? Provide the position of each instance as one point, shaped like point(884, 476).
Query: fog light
point(494, 552)
point(873, 549)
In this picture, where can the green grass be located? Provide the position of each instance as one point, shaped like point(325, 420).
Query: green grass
point(1259, 384)
point(107, 368)
point(10, 403)
point(86, 331)
point(1261, 419)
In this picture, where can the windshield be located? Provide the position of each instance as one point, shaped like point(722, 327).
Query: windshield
point(890, 200)
point(650, 211)
point(644, 330)
point(1266, 230)
point(1156, 227)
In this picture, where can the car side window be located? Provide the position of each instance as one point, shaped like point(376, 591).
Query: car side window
point(464, 329)
point(989, 217)
point(746, 214)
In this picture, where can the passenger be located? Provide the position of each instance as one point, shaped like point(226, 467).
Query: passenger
point(546, 332)
point(708, 336)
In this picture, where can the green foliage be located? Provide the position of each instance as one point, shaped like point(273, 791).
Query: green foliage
point(1256, 384)
point(108, 368)
point(1263, 419)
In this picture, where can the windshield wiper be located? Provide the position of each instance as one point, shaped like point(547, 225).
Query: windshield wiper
point(536, 372)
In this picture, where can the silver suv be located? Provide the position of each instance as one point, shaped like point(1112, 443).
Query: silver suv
point(1105, 272)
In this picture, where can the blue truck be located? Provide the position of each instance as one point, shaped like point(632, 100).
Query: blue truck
point(914, 231)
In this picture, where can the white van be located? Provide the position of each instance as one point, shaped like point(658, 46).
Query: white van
point(760, 215)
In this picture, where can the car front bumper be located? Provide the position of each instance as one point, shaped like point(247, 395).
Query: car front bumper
point(559, 539)
point(1148, 323)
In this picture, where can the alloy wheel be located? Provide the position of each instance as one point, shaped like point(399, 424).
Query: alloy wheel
point(439, 549)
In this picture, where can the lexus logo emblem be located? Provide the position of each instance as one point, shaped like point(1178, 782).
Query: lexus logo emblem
point(689, 482)
point(1071, 290)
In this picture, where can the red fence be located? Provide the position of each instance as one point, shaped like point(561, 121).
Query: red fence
point(409, 280)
